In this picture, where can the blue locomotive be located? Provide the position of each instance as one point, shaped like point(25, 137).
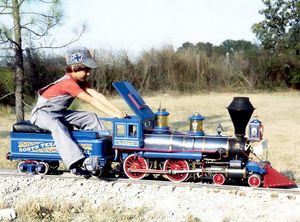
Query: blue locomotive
point(143, 145)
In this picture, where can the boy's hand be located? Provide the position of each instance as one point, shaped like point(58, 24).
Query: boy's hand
point(121, 115)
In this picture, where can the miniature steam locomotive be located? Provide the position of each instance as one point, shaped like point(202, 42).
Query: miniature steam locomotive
point(143, 145)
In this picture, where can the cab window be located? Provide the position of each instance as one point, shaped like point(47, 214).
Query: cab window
point(132, 130)
point(120, 130)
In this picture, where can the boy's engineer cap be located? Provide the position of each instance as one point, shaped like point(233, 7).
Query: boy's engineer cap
point(80, 55)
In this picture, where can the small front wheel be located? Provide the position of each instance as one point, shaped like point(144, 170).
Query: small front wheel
point(219, 179)
point(254, 180)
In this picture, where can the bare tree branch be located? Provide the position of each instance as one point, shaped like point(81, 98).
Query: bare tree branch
point(10, 40)
point(39, 14)
point(21, 2)
point(5, 6)
point(75, 39)
point(33, 32)
point(4, 1)
point(6, 95)
point(3, 42)
point(47, 2)
point(26, 104)
point(2, 11)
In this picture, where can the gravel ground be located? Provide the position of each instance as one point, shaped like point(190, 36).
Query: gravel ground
point(164, 203)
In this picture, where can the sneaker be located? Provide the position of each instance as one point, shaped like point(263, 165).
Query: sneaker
point(91, 164)
point(78, 171)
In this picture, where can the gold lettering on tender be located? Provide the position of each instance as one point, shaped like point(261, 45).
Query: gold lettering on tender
point(45, 147)
point(23, 144)
point(86, 146)
point(46, 150)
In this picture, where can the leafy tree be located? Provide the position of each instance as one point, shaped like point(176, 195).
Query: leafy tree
point(279, 34)
point(206, 47)
point(236, 45)
point(28, 24)
point(186, 46)
point(249, 49)
point(280, 29)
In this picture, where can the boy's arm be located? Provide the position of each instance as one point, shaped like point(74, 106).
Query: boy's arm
point(100, 97)
point(100, 105)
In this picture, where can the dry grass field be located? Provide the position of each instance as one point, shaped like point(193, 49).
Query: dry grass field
point(279, 112)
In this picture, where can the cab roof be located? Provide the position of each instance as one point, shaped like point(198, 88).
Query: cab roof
point(134, 100)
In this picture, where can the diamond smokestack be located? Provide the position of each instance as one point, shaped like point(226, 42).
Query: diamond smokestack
point(240, 111)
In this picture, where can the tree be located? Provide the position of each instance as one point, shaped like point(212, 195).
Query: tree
point(247, 48)
point(279, 34)
point(28, 24)
point(206, 47)
point(186, 46)
point(280, 29)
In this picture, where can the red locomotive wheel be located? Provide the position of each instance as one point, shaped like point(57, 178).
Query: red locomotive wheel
point(176, 165)
point(219, 179)
point(254, 180)
point(135, 162)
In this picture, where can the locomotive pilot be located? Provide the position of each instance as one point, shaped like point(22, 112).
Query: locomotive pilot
point(51, 113)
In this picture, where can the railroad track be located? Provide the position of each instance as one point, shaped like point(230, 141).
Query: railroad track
point(67, 175)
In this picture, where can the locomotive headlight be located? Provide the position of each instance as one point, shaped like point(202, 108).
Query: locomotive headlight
point(255, 130)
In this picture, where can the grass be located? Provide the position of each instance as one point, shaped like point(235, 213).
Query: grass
point(279, 112)
point(47, 209)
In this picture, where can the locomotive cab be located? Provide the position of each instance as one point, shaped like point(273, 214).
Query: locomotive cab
point(129, 132)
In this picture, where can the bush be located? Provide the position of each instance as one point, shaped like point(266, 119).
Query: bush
point(6, 86)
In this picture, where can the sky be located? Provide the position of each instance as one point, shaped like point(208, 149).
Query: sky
point(137, 25)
